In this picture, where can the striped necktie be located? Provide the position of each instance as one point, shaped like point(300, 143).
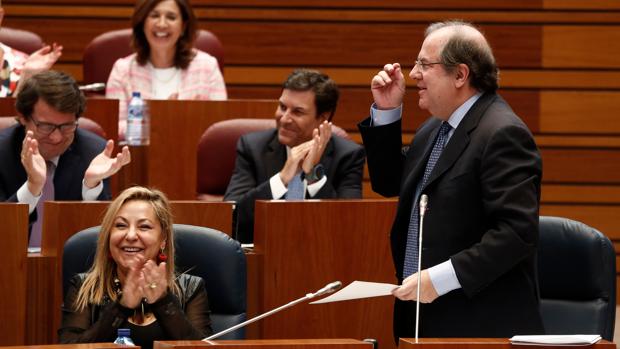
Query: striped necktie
point(47, 194)
point(411, 252)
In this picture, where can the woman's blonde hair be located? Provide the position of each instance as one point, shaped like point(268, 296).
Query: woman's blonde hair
point(99, 282)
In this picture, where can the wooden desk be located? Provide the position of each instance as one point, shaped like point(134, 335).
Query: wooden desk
point(14, 228)
point(267, 344)
point(62, 220)
point(169, 162)
point(482, 343)
point(307, 244)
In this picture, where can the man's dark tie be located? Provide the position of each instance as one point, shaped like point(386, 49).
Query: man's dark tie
point(47, 194)
point(411, 252)
point(295, 189)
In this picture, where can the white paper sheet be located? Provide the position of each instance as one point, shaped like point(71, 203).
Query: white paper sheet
point(574, 339)
point(359, 289)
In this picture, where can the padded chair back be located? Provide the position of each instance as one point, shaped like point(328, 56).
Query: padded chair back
point(101, 53)
point(200, 251)
point(21, 40)
point(577, 276)
point(217, 152)
point(92, 126)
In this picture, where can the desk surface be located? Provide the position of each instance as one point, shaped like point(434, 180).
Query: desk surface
point(331, 343)
point(484, 343)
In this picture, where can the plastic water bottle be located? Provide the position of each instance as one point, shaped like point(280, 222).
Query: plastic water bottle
point(123, 337)
point(138, 121)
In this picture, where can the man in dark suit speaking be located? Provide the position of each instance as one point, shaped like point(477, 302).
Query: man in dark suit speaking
point(298, 159)
point(46, 157)
point(481, 170)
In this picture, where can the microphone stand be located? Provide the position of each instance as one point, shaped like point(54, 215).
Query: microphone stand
point(423, 204)
point(327, 289)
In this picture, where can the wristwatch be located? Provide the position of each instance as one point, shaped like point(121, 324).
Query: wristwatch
point(316, 174)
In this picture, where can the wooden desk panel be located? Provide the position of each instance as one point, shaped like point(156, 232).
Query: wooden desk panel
point(14, 218)
point(267, 344)
point(62, 220)
point(307, 244)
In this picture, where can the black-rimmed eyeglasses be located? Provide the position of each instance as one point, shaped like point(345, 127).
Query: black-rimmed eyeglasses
point(46, 128)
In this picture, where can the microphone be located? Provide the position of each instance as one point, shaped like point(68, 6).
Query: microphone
point(97, 86)
point(423, 205)
point(329, 288)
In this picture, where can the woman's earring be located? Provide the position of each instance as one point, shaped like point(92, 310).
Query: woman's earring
point(161, 257)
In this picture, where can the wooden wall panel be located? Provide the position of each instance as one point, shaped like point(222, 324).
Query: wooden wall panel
point(566, 46)
point(603, 218)
point(583, 112)
point(585, 166)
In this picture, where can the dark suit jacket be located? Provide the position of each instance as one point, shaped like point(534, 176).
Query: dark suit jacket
point(484, 195)
point(69, 174)
point(260, 156)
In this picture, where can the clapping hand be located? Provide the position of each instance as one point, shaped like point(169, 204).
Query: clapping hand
point(104, 165)
point(33, 163)
point(144, 280)
point(320, 138)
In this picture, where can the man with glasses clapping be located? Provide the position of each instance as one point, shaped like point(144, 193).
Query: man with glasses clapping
point(46, 157)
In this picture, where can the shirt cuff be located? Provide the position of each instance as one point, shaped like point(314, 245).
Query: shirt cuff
point(384, 117)
point(24, 196)
point(278, 189)
point(89, 194)
point(314, 188)
point(444, 277)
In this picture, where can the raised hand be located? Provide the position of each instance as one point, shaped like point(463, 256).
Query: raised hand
point(33, 163)
point(321, 137)
point(42, 59)
point(388, 87)
point(154, 281)
point(104, 165)
point(408, 291)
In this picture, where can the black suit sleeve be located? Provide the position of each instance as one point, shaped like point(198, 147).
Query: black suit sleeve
point(383, 146)
point(511, 172)
point(346, 181)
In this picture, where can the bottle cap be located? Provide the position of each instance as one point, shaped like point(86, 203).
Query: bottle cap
point(124, 332)
point(135, 94)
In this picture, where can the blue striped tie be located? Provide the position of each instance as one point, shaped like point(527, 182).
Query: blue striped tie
point(411, 252)
point(295, 188)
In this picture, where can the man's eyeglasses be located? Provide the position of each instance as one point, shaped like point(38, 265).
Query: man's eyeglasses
point(424, 66)
point(46, 128)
